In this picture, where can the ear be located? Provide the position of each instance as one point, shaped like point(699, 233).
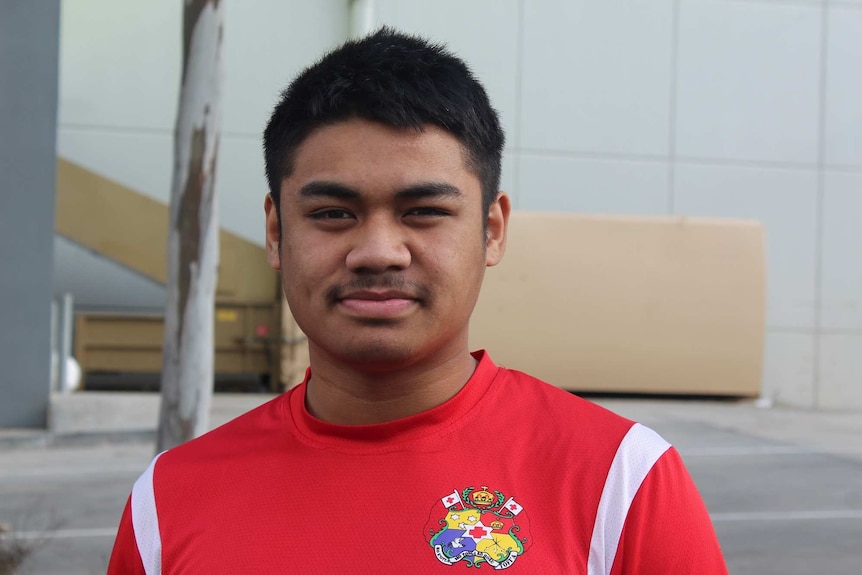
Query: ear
point(498, 225)
point(273, 234)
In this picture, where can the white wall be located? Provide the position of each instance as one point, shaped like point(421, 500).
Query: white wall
point(730, 108)
point(119, 86)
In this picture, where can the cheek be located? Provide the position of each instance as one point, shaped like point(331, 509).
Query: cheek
point(454, 246)
point(299, 272)
point(456, 268)
point(305, 254)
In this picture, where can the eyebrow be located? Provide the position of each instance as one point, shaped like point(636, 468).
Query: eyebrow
point(327, 190)
point(429, 190)
point(425, 190)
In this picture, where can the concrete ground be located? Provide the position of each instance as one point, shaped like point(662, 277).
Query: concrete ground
point(783, 486)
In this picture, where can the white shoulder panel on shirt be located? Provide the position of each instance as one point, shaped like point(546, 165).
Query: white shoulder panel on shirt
point(637, 453)
point(145, 521)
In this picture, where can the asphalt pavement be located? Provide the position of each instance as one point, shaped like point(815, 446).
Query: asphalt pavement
point(783, 486)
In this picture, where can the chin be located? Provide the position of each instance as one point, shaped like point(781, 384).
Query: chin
point(377, 356)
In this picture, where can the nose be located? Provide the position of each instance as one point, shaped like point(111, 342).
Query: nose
point(379, 246)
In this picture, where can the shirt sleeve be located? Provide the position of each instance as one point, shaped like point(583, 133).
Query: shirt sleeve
point(668, 529)
point(125, 558)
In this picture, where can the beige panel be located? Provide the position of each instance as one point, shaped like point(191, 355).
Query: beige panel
point(247, 338)
point(112, 220)
point(249, 276)
point(625, 304)
point(132, 229)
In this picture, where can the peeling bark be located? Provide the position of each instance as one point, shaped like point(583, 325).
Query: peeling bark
point(188, 226)
point(188, 351)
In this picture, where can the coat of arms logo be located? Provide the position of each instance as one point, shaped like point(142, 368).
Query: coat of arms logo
point(478, 527)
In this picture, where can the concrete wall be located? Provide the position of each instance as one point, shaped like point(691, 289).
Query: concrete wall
point(28, 107)
point(717, 108)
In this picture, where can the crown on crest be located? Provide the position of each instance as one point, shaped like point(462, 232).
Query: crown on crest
point(482, 498)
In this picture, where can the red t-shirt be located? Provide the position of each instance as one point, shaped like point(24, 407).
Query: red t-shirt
point(511, 473)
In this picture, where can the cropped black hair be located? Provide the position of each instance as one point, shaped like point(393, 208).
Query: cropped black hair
point(398, 80)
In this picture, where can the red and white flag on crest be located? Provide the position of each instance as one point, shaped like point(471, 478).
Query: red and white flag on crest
point(512, 506)
point(451, 499)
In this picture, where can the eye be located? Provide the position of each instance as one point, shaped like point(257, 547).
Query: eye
point(426, 212)
point(330, 214)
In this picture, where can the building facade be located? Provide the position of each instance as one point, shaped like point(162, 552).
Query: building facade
point(717, 108)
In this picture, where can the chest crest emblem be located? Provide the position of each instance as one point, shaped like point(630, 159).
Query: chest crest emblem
point(478, 527)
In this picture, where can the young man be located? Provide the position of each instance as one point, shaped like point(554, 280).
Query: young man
point(402, 452)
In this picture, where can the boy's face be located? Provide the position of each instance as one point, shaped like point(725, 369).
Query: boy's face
point(382, 253)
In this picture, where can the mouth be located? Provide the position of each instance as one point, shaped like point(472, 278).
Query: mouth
point(378, 304)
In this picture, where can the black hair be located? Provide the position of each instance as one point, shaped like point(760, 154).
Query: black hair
point(398, 80)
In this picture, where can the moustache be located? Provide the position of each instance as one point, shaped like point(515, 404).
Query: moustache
point(378, 283)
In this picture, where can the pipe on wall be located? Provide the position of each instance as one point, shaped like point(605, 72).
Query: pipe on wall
point(362, 16)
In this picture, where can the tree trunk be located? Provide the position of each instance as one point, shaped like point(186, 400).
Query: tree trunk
point(193, 252)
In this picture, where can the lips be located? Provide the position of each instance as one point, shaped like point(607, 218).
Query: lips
point(378, 304)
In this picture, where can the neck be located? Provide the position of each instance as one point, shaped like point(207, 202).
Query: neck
point(348, 395)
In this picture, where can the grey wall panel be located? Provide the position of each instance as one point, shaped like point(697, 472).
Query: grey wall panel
point(29, 42)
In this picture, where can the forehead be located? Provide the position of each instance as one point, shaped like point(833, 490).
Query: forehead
point(363, 153)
